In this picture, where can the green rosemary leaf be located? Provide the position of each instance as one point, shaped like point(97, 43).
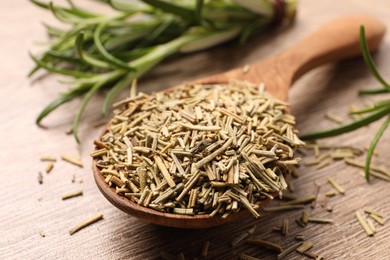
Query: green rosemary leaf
point(155, 34)
point(198, 11)
point(379, 113)
point(368, 59)
point(53, 31)
point(99, 45)
point(61, 99)
point(250, 29)
point(92, 91)
point(373, 91)
point(184, 13)
point(48, 67)
point(86, 58)
point(74, 10)
point(127, 6)
point(115, 90)
point(62, 15)
point(63, 56)
point(373, 144)
point(374, 107)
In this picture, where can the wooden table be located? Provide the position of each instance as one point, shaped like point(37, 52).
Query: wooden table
point(27, 208)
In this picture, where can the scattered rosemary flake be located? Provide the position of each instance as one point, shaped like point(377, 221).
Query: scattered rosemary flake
point(199, 149)
point(183, 211)
point(285, 227)
point(40, 178)
point(300, 237)
point(312, 256)
point(72, 195)
point(364, 224)
point(377, 219)
point(49, 167)
point(72, 160)
point(86, 223)
point(240, 238)
point(335, 118)
point(323, 164)
point(300, 223)
point(265, 244)
point(320, 220)
point(331, 193)
point(289, 250)
point(205, 248)
point(371, 225)
point(335, 185)
point(248, 257)
point(305, 217)
point(48, 159)
point(373, 212)
point(307, 245)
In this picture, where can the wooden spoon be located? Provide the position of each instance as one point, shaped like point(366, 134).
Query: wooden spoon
point(335, 41)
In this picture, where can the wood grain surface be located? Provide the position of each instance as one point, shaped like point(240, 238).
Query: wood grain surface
point(27, 208)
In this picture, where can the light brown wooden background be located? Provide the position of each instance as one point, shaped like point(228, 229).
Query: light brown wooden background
point(120, 236)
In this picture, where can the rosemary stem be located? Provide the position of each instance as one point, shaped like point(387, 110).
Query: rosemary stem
point(379, 113)
point(373, 145)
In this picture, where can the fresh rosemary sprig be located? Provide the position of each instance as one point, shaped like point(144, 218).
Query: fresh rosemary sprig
point(110, 51)
point(375, 112)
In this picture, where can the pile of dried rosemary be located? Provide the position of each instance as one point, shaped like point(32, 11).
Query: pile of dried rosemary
point(202, 149)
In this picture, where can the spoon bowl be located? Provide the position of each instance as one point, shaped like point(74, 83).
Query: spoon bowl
point(333, 42)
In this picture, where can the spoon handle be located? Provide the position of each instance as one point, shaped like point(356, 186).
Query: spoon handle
point(335, 41)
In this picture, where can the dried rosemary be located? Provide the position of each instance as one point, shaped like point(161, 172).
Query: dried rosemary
point(72, 160)
point(72, 195)
point(86, 223)
point(364, 224)
point(265, 244)
point(201, 149)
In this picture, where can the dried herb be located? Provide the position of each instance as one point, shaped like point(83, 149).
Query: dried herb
point(373, 212)
point(377, 219)
point(86, 223)
point(335, 185)
point(307, 245)
point(209, 149)
point(320, 220)
point(289, 250)
point(240, 238)
point(285, 227)
point(248, 257)
point(265, 244)
point(364, 224)
point(49, 167)
point(72, 195)
point(72, 160)
point(48, 159)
